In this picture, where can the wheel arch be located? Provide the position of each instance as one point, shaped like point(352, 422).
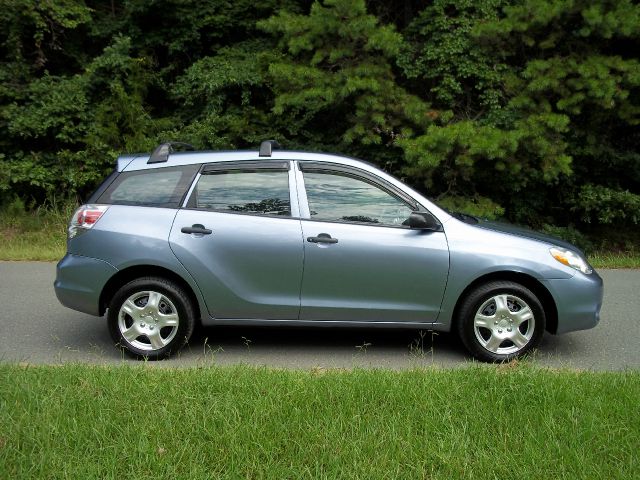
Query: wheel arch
point(124, 276)
point(538, 289)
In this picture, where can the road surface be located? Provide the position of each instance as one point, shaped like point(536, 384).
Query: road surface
point(35, 328)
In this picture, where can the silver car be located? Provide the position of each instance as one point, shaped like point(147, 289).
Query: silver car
point(273, 237)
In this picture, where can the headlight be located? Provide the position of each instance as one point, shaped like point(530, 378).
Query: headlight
point(570, 259)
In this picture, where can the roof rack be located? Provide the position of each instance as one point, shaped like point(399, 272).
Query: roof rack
point(162, 151)
point(267, 147)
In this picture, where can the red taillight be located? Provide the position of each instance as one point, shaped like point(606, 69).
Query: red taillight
point(85, 218)
point(89, 217)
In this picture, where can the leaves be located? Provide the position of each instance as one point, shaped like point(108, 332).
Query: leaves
point(596, 203)
point(522, 108)
point(338, 59)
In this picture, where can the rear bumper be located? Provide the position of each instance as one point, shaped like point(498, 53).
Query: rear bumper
point(80, 280)
point(578, 300)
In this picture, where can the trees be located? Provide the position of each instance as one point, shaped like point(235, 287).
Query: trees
point(336, 69)
point(522, 108)
point(83, 82)
point(575, 67)
point(538, 95)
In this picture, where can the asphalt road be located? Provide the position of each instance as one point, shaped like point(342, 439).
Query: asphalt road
point(35, 328)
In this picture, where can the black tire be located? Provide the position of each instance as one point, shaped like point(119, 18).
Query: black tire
point(485, 296)
point(171, 297)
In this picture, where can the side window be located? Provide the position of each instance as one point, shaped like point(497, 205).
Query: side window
point(158, 187)
point(336, 197)
point(236, 191)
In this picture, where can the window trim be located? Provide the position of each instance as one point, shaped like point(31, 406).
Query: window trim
point(357, 174)
point(376, 181)
point(243, 166)
point(246, 166)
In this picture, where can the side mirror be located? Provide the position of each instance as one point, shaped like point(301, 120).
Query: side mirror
point(422, 221)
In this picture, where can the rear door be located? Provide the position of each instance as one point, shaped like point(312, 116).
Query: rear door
point(361, 263)
point(239, 238)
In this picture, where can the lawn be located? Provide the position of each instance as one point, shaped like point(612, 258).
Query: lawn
point(477, 422)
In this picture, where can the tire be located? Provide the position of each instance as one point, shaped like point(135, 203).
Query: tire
point(151, 318)
point(500, 321)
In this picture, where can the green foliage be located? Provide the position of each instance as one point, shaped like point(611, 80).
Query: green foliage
point(34, 233)
point(581, 70)
point(32, 32)
point(523, 108)
point(537, 22)
point(336, 67)
point(14, 209)
point(478, 206)
point(535, 92)
point(224, 101)
point(571, 235)
point(598, 204)
point(450, 65)
point(89, 117)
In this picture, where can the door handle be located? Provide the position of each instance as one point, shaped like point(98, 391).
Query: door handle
point(196, 228)
point(322, 238)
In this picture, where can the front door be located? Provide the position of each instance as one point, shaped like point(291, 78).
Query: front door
point(361, 263)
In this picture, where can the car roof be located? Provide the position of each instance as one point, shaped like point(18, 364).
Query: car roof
point(132, 162)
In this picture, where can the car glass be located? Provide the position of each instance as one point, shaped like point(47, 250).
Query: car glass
point(158, 187)
point(336, 197)
point(260, 193)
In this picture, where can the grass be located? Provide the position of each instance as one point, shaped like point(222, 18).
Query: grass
point(34, 235)
point(78, 421)
point(40, 235)
point(615, 260)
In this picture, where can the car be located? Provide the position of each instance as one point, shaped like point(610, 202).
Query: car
point(175, 239)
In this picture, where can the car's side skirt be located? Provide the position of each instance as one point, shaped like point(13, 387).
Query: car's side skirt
point(321, 323)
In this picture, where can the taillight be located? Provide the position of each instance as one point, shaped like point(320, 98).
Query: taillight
point(84, 218)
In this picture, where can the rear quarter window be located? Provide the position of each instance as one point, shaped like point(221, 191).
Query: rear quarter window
point(158, 187)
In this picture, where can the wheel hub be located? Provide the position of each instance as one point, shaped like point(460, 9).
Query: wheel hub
point(500, 324)
point(148, 320)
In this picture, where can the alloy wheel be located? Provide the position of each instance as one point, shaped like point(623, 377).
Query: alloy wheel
point(148, 320)
point(504, 324)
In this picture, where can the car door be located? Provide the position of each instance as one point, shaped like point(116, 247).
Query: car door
point(361, 263)
point(239, 240)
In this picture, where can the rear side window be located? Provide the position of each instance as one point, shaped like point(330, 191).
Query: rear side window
point(236, 191)
point(160, 187)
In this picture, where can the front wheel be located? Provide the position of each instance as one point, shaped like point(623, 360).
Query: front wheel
point(151, 318)
point(500, 321)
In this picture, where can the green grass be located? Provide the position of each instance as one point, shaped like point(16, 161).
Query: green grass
point(615, 260)
point(34, 235)
point(511, 421)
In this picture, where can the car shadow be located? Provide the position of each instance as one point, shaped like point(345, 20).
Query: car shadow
point(303, 346)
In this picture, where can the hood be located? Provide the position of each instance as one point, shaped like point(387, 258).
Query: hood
point(526, 233)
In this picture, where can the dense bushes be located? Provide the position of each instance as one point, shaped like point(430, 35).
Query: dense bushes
point(522, 108)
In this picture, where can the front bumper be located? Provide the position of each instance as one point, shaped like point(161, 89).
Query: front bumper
point(578, 300)
point(80, 280)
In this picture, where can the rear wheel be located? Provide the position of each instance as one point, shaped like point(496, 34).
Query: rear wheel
point(151, 318)
point(500, 321)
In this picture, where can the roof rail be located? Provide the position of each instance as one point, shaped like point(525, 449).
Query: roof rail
point(162, 151)
point(267, 147)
